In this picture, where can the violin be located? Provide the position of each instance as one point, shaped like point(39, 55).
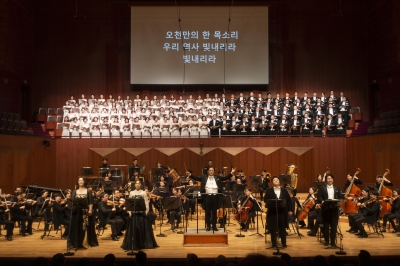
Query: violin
point(367, 203)
point(111, 203)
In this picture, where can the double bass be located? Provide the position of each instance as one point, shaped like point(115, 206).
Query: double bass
point(349, 206)
point(384, 192)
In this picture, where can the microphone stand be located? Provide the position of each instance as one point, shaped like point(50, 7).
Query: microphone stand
point(69, 253)
point(341, 251)
point(277, 228)
point(131, 253)
point(161, 213)
point(257, 233)
point(184, 214)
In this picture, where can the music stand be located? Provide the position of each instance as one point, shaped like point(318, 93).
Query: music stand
point(171, 203)
point(371, 186)
point(256, 181)
point(229, 185)
point(107, 187)
point(285, 179)
point(226, 203)
point(103, 171)
point(157, 171)
point(277, 204)
point(257, 209)
point(239, 188)
point(318, 184)
point(86, 171)
point(132, 169)
point(136, 205)
point(83, 203)
point(205, 170)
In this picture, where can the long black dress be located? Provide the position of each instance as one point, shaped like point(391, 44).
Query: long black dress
point(82, 229)
point(141, 235)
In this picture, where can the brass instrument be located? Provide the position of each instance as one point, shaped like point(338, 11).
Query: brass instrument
point(225, 170)
point(128, 187)
point(294, 178)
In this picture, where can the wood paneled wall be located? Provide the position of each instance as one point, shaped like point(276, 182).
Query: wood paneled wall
point(374, 154)
point(25, 160)
point(323, 152)
point(384, 52)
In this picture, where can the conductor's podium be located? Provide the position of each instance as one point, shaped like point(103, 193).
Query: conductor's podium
point(205, 238)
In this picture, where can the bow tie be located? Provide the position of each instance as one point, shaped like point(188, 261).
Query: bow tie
point(329, 186)
point(211, 177)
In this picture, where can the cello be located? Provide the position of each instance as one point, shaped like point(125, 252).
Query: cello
point(349, 206)
point(306, 207)
point(243, 211)
point(384, 192)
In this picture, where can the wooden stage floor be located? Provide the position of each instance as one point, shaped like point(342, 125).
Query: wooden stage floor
point(172, 245)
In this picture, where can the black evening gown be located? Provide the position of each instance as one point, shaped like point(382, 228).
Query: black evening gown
point(82, 229)
point(140, 235)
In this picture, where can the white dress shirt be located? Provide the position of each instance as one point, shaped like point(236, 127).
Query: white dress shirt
point(331, 192)
point(277, 191)
point(211, 185)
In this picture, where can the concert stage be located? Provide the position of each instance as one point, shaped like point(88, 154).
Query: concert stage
point(171, 247)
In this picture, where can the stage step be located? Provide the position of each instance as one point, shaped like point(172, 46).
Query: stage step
point(205, 238)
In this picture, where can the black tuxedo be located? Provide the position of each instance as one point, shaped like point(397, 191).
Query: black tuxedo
point(244, 130)
point(225, 130)
point(214, 132)
point(281, 215)
point(59, 217)
point(211, 203)
point(107, 216)
point(283, 127)
point(330, 216)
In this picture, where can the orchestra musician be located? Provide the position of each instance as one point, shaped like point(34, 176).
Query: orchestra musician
point(252, 212)
point(394, 213)
point(107, 210)
point(43, 208)
point(19, 212)
point(369, 215)
point(314, 214)
point(295, 207)
point(133, 167)
point(104, 165)
point(273, 214)
point(211, 185)
point(330, 216)
point(9, 225)
point(386, 182)
point(265, 182)
point(59, 214)
point(175, 214)
point(353, 216)
point(357, 181)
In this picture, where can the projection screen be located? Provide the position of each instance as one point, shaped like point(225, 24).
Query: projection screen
point(202, 48)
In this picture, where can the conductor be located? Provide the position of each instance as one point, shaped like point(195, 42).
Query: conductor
point(211, 185)
point(273, 214)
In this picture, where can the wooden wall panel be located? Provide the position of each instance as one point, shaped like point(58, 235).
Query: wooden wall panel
point(76, 153)
point(25, 160)
point(373, 154)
